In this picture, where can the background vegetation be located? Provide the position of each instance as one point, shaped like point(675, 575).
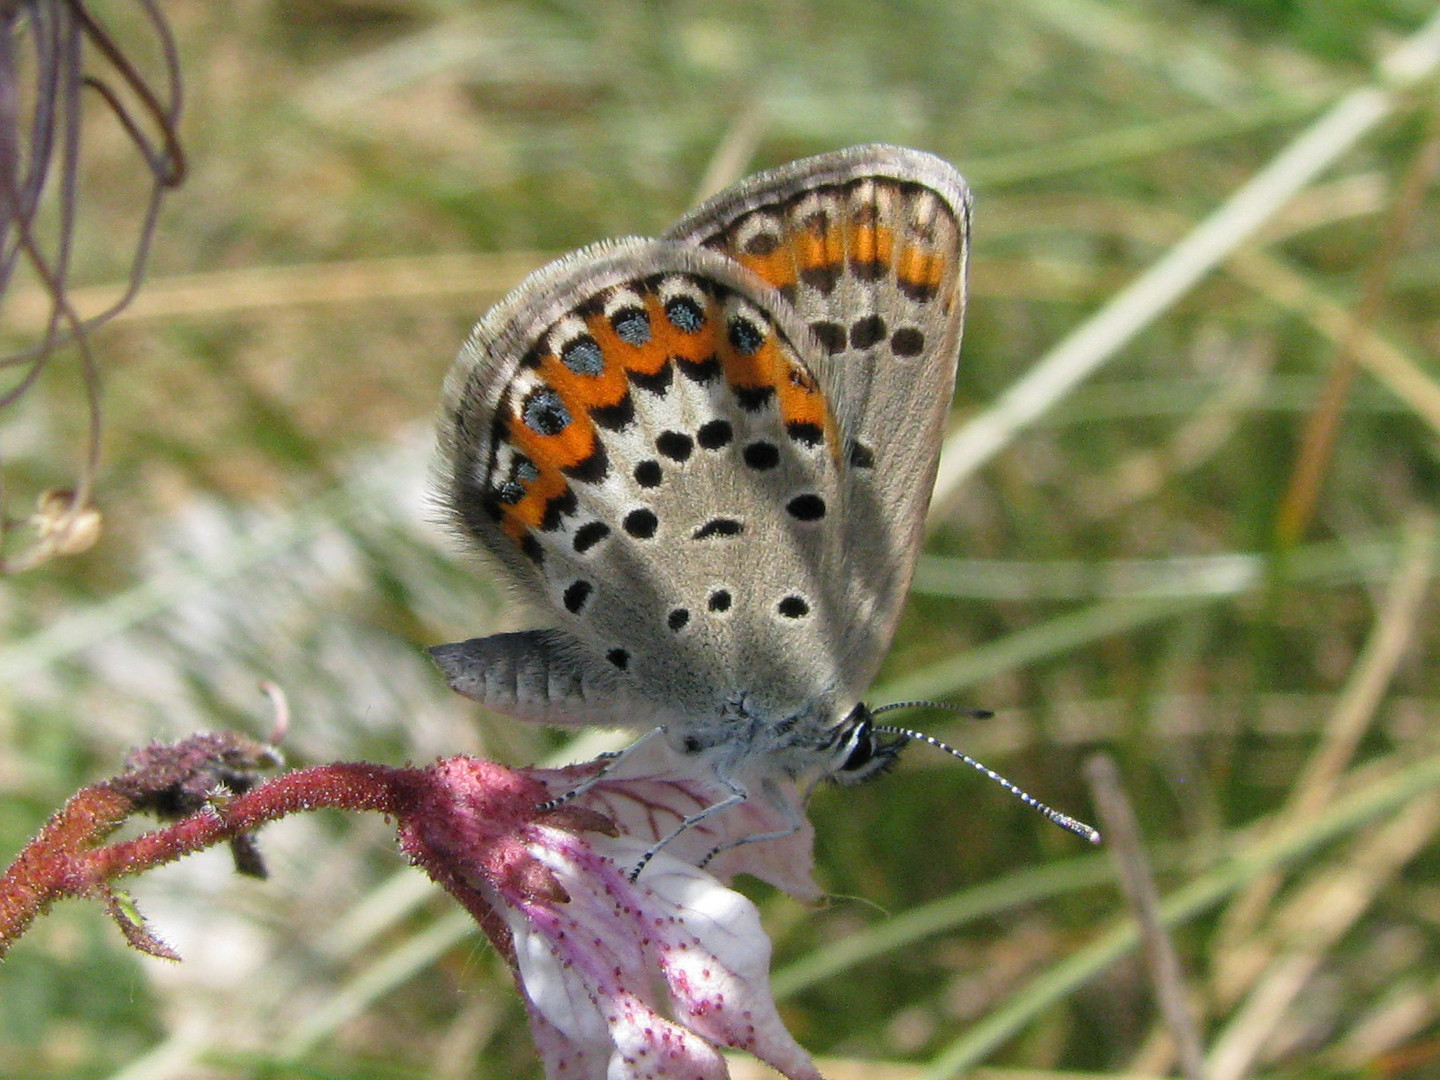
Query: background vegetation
point(367, 176)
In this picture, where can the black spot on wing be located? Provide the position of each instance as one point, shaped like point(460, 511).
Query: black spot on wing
point(648, 473)
point(753, 398)
point(641, 523)
point(544, 413)
point(592, 469)
point(715, 434)
point(805, 433)
point(576, 593)
point(615, 417)
point(582, 355)
point(793, 607)
point(590, 534)
point(685, 314)
point(831, 335)
point(698, 371)
point(632, 326)
point(718, 528)
point(657, 383)
point(807, 507)
point(861, 456)
point(675, 445)
point(761, 455)
point(867, 332)
point(557, 509)
point(746, 337)
point(907, 342)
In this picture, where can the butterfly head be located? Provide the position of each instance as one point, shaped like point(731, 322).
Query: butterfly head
point(859, 752)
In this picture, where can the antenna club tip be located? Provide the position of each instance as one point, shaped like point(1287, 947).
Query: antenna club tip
point(1079, 828)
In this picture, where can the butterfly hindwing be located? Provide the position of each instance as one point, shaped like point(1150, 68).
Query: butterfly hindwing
point(636, 434)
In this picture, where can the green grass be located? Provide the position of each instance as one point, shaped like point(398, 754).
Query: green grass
point(367, 176)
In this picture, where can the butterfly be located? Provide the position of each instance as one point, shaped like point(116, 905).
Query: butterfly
point(704, 461)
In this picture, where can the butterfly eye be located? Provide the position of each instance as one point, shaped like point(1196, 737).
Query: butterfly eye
point(862, 749)
point(864, 756)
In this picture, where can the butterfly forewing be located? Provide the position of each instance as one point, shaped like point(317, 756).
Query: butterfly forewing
point(869, 247)
point(638, 436)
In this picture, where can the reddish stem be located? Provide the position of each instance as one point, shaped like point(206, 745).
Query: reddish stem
point(66, 858)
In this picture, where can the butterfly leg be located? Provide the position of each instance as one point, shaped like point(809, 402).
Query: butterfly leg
point(612, 761)
point(737, 795)
point(794, 821)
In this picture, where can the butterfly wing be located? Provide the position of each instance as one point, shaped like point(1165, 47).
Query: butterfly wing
point(869, 246)
point(636, 436)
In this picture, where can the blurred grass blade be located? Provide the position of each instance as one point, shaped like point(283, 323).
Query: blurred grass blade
point(1380, 797)
point(977, 902)
point(1134, 308)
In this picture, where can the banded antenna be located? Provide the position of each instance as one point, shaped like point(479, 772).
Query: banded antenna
point(1065, 821)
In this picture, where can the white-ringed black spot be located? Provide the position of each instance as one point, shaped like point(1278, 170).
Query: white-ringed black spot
point(718, 527)
point(761, 455)
point(648, 473)
point(867, 332)
point(677, 619)
point(582, 355)
point(576, 593)
point(589, 534)
point(719, 600)
point(793, 607)
point(675, 445)
point(544, 413)
point(619, 657)
point(631, 325)
point(831, 335)
point(744, 335)
point(684, 314)
point(807, 507)
point(907, 342)
point(714, 434)
point(641, 523)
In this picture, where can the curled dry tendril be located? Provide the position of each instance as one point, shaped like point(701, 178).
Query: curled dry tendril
point(51, 53)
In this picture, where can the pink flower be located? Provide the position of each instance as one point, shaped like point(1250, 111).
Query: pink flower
point(622, 979)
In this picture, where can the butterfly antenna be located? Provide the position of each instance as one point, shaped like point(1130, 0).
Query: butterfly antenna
point(1065, 821)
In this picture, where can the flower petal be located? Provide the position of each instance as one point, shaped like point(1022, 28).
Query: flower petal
point(652, 789)
point(591, 968)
